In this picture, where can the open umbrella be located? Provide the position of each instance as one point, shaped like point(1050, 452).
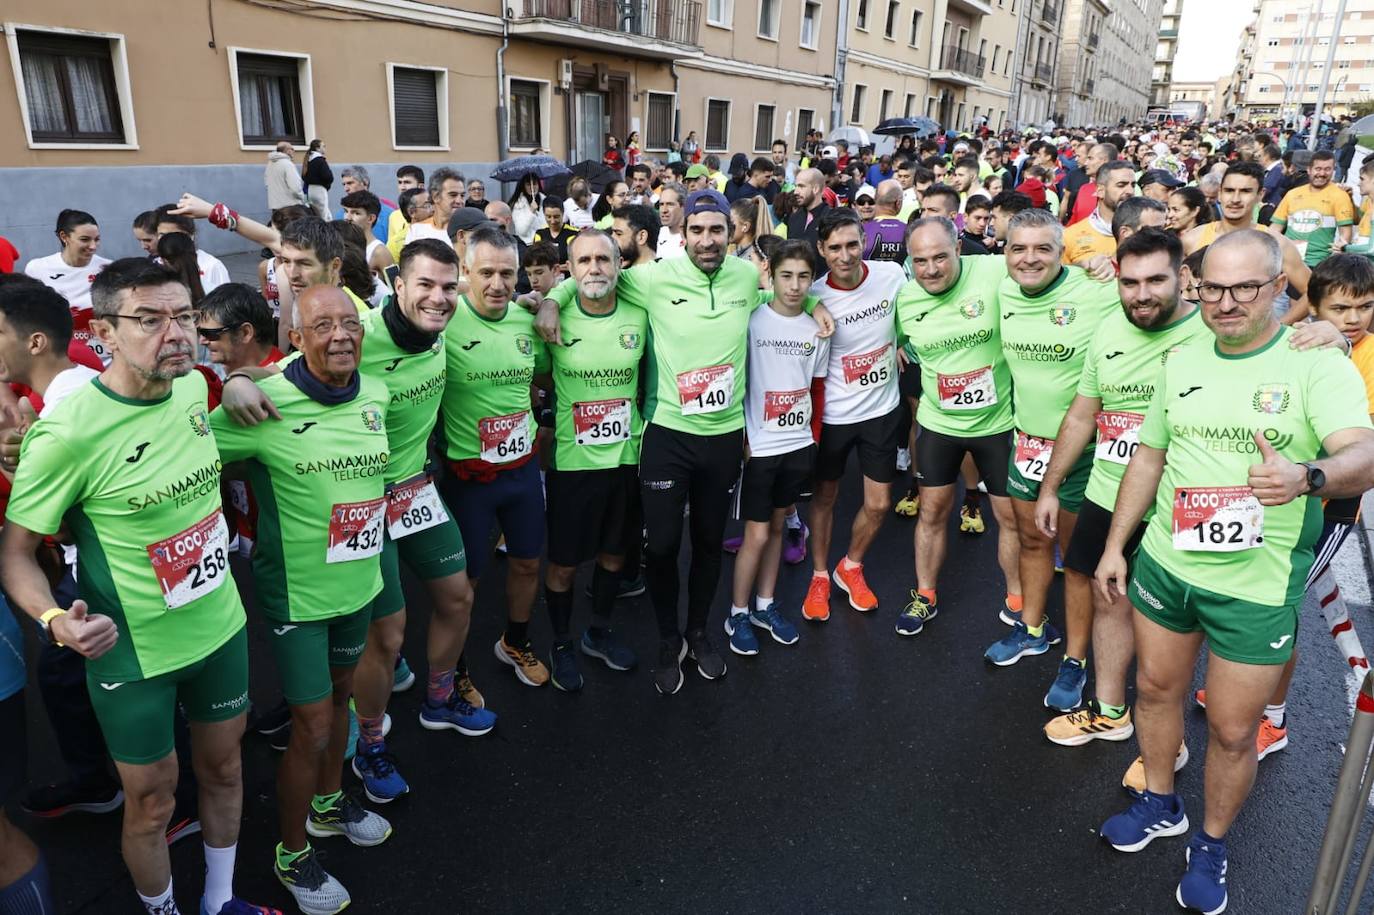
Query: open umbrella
point(918, 127)
point(515, 168)
point(597, 175)
point(854, 136)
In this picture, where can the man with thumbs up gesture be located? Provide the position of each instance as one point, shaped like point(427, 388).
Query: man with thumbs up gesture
point(1228, 449)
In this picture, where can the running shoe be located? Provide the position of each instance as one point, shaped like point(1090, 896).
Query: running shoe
point(462, 685)
point(816, 606)
point(1019, 642)
point(183, 825)
point(1271, 737)
point(272, 720)
point(1203, 887)
point(1149, 817)
point(903, 460)
point(1087, 724)
point(1200, 697)
point(668, 674)
point(563, 672)
point(794, 543)
point(315, 891)
point(742, 639)
point(350, 819)
point(778, 626)
point(59, 800)
point(910, 504)
point(403, 678)
point(1066, 692)
point(700, 648)
point(1058, 560)
point(851, 582)
point(236, 906)
point(628, 587)
point(528, 668)
point(382, 783)
point(609, 649)
point(457, 714)
point(731, 545)
point(1134, 779)
point(917, 613)
point(1009, 616)
point(971, 520)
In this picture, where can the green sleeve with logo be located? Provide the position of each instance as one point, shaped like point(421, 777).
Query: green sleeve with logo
point(314, 473)
point(596, 379)
point(416, 385)
point(138, 484)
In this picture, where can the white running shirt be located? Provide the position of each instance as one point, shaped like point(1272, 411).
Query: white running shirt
point(426, 229)
point(73, 282)
point(861, 380)
point(784, 355)
point(213, 273)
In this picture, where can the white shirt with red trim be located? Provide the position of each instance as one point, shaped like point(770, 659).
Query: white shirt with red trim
point(861, 380)
point(785, 353)
point(213, 273)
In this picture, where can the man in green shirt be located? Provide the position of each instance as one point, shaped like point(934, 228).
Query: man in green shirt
point(948, 315)
point(1229, 459)
point(593, 477)
point(129, 464)
point(318, 478)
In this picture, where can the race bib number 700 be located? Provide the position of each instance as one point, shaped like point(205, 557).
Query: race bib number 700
point(1118, 436)
point(193, 563)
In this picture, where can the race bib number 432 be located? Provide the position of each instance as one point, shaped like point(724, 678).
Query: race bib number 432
point(707, 390)
point(355, 530)
point(869, 370)
point(504, 438)
point(1118, 436)
point(1033, 455)
point(1217, 519)
point(967, 390)
point(600, 422)
point(193, 563)
point(786, 410)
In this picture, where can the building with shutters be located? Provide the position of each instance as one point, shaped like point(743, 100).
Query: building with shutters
point(1106, 58)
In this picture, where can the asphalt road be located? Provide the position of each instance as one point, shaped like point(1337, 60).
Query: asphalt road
point(854, 772)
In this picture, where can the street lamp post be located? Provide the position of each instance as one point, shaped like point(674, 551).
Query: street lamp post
point(1326, 77)
point(1282, 82)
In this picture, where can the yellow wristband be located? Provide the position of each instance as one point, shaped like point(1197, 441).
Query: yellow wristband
point(47, 618)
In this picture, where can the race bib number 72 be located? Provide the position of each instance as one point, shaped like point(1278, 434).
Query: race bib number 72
point(1033, 456)
point(193, 563)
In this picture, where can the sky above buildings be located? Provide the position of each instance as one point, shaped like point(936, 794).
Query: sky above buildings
point(1208, 38)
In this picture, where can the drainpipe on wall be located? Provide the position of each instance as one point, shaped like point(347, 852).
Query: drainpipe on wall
point(677, 107)
point(1019, 61)
point(502, 149)
point(841, 58)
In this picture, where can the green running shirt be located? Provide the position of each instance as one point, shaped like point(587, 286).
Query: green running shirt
point(965, 382)
point(138, 484)
point(1045, 338)
point(1122, 365)
point(416, 383)
point(318, 477)
point(486, 403)
point(1206, 409)
point(596, 378)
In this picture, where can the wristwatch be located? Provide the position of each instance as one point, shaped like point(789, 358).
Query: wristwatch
point(45, 624)
point(1316, 477)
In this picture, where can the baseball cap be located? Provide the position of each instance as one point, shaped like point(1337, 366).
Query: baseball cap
point(866, 190)
point(465, 218)
point(698, 171)
point(829, 152)
point(706, 201)
point(1159, 176)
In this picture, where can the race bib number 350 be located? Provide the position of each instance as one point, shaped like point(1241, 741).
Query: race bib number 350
point(1033, 455)
point(1217, 519)
point(600, 422)
point(355, 530)
point(504, 438)
point(193, 563)
point(967, 390)
point(786, 410)
point(869, 370)
point(707, 390)
point(413, 506)
point(1118, 436)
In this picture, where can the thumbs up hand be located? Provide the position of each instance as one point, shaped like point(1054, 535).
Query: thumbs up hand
point(1276, 480)
point(87, 635)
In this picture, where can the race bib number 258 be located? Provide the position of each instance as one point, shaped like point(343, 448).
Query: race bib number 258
point(191, 564)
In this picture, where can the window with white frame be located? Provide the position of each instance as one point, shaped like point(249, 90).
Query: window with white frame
point(717, 123)
point(806, 117)
point(909, 109)
point(71, 86)
point(658, 129)
point(769, 12)
point(857, 112)
point(419, 105)
point(271, 106)
point(890, 26)
point(810, 24)
point(526, 114)
point(720, 12)
point(861, 17)
point(763, 128)
point(914, 39)
point(884, 105)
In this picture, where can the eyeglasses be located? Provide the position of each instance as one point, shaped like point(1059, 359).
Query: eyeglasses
point(1241, 293)
point(156, 324)
point(350, 326)
point(213, 333)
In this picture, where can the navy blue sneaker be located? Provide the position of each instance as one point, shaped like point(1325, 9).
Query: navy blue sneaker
point(742, 640)
point(609, 649)
point(771, 619)
point(1066, 693)
point(381, 781)
point(563, 667)
point(457, 714)
point(1009, 616)
point(917, 613)
point(1203, 887)
point(1019, 642)
point(1149, 817)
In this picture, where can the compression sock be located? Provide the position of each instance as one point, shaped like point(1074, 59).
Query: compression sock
point(1036, 631)
point(1111, 711)
point(927, 593)
point(323, 803)
point(219, 876)
point(1275, 713)
point(792, 520)
point(605, 588)
point(560, 612)
point(517, 634)
point(370, 730)
point(439, 687)
point(31, 894)
point(162, 904)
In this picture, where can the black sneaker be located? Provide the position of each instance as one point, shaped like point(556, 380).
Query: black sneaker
point(280, 739)
point(563, 668)
point(710, 664)
point(668, 674)
point(625, 588)
point(272, 720)
point(55, 801)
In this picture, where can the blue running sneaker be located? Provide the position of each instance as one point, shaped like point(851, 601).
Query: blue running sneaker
point(742, 640)
point(1149, 817)
point(917, 613)
point(1203, 887)
point(1066, 693)
point(783, 632)
point(377, 769)
point(457, 714)
point(236, 906)
point(403, 678)
point(1058, 559)
point(1009, 616)
point(352, 745)
point(1019, 643)
point(563, 667)
point(609, 649)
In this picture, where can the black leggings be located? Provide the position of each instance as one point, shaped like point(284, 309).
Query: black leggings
point(678, 470)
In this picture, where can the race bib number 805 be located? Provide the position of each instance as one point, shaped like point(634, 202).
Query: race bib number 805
point(869, 370)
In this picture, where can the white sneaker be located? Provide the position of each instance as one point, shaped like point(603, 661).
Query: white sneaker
point(316, 892)
point(903, 459)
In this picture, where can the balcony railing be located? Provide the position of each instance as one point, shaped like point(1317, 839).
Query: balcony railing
point(1092, 40)
point(963, 61)
point(1050, 12)
point(1088, 86)
point(678, 21)
point(1044, 73)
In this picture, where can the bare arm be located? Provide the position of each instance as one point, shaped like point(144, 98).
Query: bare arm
point(1349, 467)
point(27, 586)
point(254, 231)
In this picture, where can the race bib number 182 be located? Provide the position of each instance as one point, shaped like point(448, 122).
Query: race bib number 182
point(355, 530)
point(193, 563)
point(1217, 519)
point(707, 390)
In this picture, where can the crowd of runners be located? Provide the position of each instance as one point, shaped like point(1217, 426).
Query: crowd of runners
point(1168, 401)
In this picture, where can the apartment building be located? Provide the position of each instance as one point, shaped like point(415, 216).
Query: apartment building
point(1166, 47)
point(1036, 83)
point(1125, 61)
point(1079, 64)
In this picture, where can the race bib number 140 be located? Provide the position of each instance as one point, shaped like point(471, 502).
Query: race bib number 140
point(707, 390)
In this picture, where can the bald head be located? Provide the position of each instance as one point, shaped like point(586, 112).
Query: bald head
point(499, 211)
point(317, 299)
point(809, 184)
point(889, 197)
point(1250, 248)
point(328, 334)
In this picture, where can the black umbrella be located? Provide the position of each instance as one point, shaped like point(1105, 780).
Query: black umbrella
point(597, 175)
point(518, 167)
point(918, 127)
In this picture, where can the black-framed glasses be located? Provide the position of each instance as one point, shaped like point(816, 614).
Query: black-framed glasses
point(1241, 293)
point(156, 324)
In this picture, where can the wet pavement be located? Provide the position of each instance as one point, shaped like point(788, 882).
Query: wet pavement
point(854, 772)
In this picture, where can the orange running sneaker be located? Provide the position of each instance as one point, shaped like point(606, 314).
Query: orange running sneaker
point(1271, 738)
point(816, 607)
point(850, 578)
